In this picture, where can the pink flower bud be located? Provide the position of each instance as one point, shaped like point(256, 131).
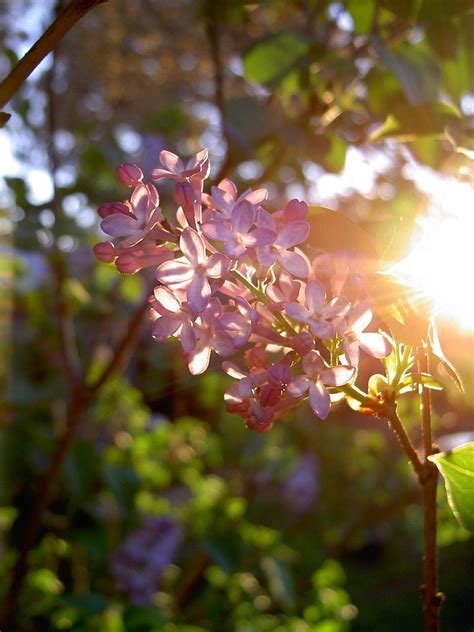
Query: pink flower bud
point(128, 263)
point(111, 208)
point(184, 194)
point(105, 251)
point(129, 174)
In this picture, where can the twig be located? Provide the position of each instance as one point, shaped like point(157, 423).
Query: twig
point(124, 347)
point(65, 20)
point(213, 36)
point(431, 597)
point(406, 443)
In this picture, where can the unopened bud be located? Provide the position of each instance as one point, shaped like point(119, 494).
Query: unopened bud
point(105, 251)
point(129, 174)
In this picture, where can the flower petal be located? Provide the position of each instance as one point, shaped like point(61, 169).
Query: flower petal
point(192, 246)
point(292, 234)
point(199, 292)
point(119, 225)
point(298, 386)
point(294, 263)
point(315, 295)
point(217, 266)
point(258, 237)
point(171, 161)
point(242, 217)
point(319, 399)
point(175, 271)
point(374, 344)
point(337, 375)
point(360, 316)
point(165, 327)
point(167, 299)
point(198, 359)
point(216, 230)
point(297, 311)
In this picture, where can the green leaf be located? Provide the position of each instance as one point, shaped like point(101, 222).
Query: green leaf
point(405, 9)
point(363, 15)
point(437, 351)
point(416, 71)
point(412, 381)
point(270, 60)
point(457, 468)
point(407, 122)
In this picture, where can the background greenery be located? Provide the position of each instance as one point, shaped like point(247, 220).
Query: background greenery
point(316, 526)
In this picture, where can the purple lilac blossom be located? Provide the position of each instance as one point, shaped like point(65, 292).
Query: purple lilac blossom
point(230, 280)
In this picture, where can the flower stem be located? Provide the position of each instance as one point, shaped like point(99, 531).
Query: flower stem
point(431, 597)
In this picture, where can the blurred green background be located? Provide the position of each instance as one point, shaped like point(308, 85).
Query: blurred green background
point(167, 514)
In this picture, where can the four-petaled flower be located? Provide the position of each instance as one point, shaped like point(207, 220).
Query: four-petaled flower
point(193, 269)
point(143, 217)
point(351, 328)
point(318, 314)
point(238, 237)
point(315, 379)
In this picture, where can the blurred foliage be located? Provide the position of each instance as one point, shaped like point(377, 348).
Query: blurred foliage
point(295, 531)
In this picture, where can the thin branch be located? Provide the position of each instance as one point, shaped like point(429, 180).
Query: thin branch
point(406, 443)
point(431, 597)
point(65, 20)
point(124, 347)
point(66, 331)
point(214, 39)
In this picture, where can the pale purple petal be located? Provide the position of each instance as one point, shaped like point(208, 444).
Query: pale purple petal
point(351, 351)
point(312, 364)
point(298, 386)
point(292, 234)
point(228, 186)
point(171, 161)
point(233, 370)
point(174, 271)
point(119, 225)
point(216, 230)
point(243, 216)
point(165, 327)
point(217, 266)
point(234, 249)
point(322, 329)
point(319, 399)
point(199, 293)
point(297, 311)
point(337, 307)
point(315, 296)
point(256, 197)
point(222, 344)
point(192, 246)
point(374, 344)
point(187, 337)
point(337, 375)
point(198, 359)
point(167, 299)
point(159, 174)
point(139, 200)
point(360, 317)
point(258, 237)
point(294, 263)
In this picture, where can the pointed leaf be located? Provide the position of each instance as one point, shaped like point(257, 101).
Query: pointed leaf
point(457, 468)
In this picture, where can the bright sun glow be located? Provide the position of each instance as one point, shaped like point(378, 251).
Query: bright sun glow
point(441, 266)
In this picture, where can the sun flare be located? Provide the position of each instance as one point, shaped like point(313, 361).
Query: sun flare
point(441, 266)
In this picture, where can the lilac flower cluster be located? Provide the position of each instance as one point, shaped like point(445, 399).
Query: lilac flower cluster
point(231, 278)
point(139, 563)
